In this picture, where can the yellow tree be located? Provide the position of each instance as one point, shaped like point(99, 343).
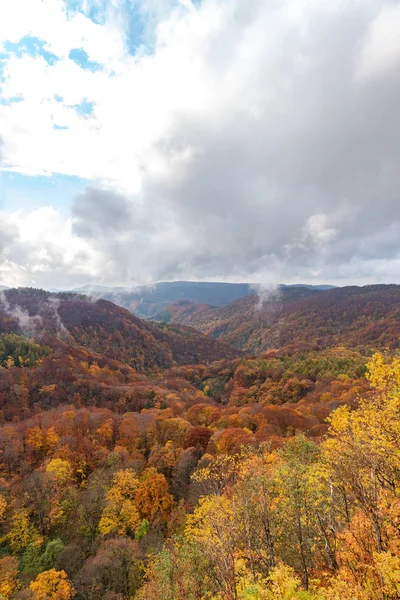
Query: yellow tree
point(3, 507)
point(61, 470)
point(22, 532)
point(120, 514)
point(362, 455)
point(52, 585)
point(215, 527)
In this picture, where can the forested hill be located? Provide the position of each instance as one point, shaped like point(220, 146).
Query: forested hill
point(103, 327)
point(129, 473)
point(348, 316)
point(146, 301)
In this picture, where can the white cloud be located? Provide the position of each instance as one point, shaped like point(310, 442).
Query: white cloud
point(318, 230)
point(39, 246)
point(380, 49)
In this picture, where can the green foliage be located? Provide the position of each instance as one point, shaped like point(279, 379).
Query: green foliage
point(35, 561)
point(142, 530)
point(53, 549)
point(20, 351)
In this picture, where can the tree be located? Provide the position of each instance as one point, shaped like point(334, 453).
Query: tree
point(3, 507)
point(121, 514)
point(116, 568)
point(197, 436)
point(362, 455)
point(22, 532)
point(128, 433)
point(179, 572)
point(295, 502)
point(214, 526)
point(232, 439)
point(152, 498)
point(52, 585)
point(61, 469)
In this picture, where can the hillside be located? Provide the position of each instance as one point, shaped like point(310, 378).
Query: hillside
point(349, 316)
point(129, 472)
point(146, 301)
point(107, 329)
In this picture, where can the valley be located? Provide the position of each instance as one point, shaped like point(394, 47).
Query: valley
point(126, 445)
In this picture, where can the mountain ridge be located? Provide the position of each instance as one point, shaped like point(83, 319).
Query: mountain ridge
point(105, 328)
point(349, 316)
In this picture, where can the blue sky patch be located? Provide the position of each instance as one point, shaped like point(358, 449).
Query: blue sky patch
point(81, 58)
point(22, 191)
point(96, 11)
point(13, 100)
point(85, 108)
point(32, 46)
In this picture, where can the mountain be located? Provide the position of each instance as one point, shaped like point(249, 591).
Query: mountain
point(101, 326)
point(146, 301)
point(349, 316)
point(112, 440)
point(311, 287)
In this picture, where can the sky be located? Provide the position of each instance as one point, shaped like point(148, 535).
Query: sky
point(230, 140)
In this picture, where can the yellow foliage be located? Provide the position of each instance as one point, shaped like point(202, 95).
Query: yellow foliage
point(365, 440)
point(52, 585)
point(61, 469)
point(124, 486)
point(389, 567)
point(22, 532)
point(3, 507)
point(384, 375)
point(120, 514)
point(341, 589)
point(209, 524)
point(283, 584)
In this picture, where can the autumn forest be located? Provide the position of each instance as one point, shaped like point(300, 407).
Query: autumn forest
point(245, 451)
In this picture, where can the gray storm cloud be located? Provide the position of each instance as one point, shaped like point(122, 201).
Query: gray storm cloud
point(295, 176)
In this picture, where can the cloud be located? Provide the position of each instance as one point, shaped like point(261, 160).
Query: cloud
point(254, 141)
point(29, 325)
point(99, 212)
point(38, 248)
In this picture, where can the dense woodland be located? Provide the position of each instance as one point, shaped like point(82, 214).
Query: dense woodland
point(147, 462)
point(350, 316)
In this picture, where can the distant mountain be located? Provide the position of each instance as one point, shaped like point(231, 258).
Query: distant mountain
point(311, 287)
point(4, 287)
point(107, 329)
point(300, 317)
point(146, 301)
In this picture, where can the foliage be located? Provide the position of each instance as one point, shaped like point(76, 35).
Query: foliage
point(9, 583)
point(19, 351)
point(264, 477)
point(51, 585)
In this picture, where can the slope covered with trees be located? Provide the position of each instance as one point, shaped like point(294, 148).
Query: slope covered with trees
point(273, 476)
point(105, 328)
point(350, 316)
